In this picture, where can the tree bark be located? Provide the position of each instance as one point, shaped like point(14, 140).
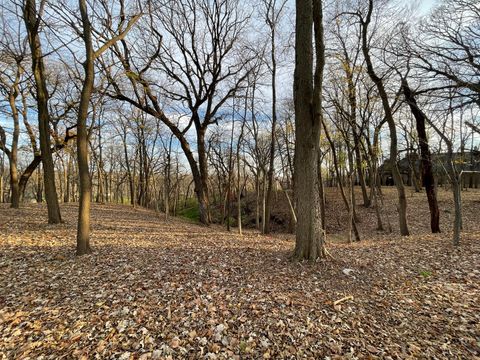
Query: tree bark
point(32, 23)
point(85, 186)
point(201, 179)
point(39, 194)
point(426, 158)
point(309, 243)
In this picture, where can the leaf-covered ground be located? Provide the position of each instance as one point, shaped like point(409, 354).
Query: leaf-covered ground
point(160, 290)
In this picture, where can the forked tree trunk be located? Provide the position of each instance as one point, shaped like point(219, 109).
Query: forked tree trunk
point(309, 243)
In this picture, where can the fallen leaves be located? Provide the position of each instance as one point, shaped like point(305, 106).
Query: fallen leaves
point(156, 290)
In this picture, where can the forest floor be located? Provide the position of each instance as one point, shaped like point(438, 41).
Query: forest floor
point(156, 289)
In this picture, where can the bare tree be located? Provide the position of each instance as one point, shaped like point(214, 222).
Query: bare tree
point(365, 21)
point(12, 86)
point(33, 23)
point(308, 114)
point(453, 173)
point(446, 49)
point(83, 228)
point(201, 62)
point(351, 64)
point(426, 158)
point(272, 13)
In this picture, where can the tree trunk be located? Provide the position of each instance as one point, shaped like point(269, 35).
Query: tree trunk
point(309, 243)
point(39, 187)
point(100, 179)
point(361, 177)
point(457, 198)
point(257, 199)
point(13, 156)
point(14, 186)
point(167, 180)
point(351, 197)
point(38, 69)
point(239, 195)
point(1, 187)
point(426, 158)
point(27, 173)
point(264, 199)
point(230, 171)
point(239, 186)
point(402, 200)
point(374, 178)
point(377, 209)
point(201, 179)
point(85, 186)
point(352, 99)
point(66, 198)
point(271, 168)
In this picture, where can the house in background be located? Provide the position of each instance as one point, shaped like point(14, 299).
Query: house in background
point(410, 169)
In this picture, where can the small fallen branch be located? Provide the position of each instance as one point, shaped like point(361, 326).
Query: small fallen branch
point(346, 298)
